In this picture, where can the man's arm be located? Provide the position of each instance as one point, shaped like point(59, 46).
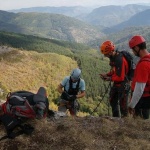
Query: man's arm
point(137, 94)
point(60, 89)
point(81, 94)
point(82, 90)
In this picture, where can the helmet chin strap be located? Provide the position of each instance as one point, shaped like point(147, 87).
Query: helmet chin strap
point(137, 53)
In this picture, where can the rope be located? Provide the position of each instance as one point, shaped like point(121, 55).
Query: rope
point(109, 85)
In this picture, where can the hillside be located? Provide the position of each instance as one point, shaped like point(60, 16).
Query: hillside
point(139, 19)
point(54, 26)
point(87, 133)
point(122, 37)
point(112, 15)
point(101, 16)
point(90, 60)
point(23, 70)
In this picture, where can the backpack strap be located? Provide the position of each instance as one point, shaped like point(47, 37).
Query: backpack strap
point(70, 84)
point(77, 85)
point(118, 63)
point(71, 90)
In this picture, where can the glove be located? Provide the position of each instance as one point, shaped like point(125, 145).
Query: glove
point(73, 97)
point(103, 76)
point(64, 95)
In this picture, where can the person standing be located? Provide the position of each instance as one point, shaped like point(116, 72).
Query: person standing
point(71, 88)
point(119, 69)
point(140, 101)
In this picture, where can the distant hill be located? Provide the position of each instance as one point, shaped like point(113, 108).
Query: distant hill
point(53, 26)
point(104, 16)
point(112, 15)
point(139, 19)
point(121, 37)
point(74, 11)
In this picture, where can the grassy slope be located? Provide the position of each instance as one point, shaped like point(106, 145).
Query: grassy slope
point(88, 59)
point(23, 70)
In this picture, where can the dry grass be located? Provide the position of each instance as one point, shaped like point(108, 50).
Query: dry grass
point(86, 133)
point(28, 70)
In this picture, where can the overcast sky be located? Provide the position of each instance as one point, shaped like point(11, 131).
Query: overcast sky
point(17, 4)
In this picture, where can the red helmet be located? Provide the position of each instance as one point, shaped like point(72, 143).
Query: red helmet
point(107, 47)
point(136, 40)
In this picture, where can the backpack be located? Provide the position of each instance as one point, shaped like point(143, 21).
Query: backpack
point(129, 59)
point(21, 106)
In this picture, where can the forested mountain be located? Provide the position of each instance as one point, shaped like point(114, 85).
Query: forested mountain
point(49, 25)
point(121, 38)
point(56, 26)
point(112, 15)
point(139, 19)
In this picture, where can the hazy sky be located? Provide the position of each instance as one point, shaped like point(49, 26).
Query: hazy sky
point(16, 4)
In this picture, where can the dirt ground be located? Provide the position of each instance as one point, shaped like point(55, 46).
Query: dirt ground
point(86, 133)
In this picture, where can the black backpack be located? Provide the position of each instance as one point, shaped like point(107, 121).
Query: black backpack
point(129, 59)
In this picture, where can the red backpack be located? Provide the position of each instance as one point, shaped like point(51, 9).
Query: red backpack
point(21, 106)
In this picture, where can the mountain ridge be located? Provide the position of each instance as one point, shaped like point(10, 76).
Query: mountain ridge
point(135, 21)
point(50, 26)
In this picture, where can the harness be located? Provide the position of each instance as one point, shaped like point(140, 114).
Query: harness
point(71, 90)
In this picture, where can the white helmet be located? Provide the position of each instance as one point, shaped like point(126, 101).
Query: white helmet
point(75, 74)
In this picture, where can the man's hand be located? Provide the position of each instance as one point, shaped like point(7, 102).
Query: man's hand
point(65, 95)
point(105, 77)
